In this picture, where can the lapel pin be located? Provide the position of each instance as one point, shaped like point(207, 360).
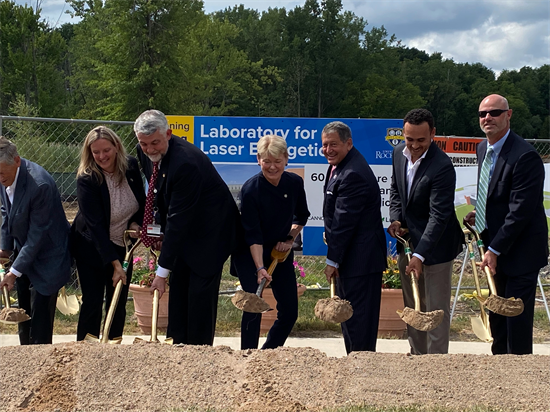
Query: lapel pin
point(286, 195)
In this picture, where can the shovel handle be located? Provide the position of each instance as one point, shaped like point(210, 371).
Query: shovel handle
point(414, 281)
point(155, 316)
point(481, 247)
point(270, 271)
point(261, 287)
point(332, 287)
point(111, 313)
point(5, 292)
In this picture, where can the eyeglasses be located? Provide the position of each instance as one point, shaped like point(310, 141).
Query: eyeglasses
point(493, 113)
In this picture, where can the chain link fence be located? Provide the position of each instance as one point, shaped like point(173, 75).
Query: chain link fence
point(55, 144)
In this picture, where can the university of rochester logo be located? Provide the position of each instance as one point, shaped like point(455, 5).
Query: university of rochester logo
point(394, 136)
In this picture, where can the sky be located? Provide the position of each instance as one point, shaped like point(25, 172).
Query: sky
point(500, 34)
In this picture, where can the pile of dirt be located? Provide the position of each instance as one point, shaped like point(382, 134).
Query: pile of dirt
point(157, 377)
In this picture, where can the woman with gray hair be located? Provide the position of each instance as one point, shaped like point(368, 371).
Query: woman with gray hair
point(111, 200)
point(273, 212)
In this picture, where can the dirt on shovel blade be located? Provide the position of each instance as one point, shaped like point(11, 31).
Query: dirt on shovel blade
point(249, 302)
point(333, 310)
point(13, 315)
point(503, 306)
point(424, 321)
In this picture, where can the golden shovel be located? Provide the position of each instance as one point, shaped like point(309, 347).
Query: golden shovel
point(9, 315)
point(67, 304)
point(480, 324)
point(333, 309)
point(423, 321)
point(116, 294)
point(506, 307)
point(253, 302)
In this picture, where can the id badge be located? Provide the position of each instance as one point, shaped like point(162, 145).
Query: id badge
point(153, 230)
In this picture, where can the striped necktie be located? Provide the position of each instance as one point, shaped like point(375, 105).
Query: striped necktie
point(483, 186)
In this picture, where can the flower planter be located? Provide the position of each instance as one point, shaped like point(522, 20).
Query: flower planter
point(390, 324)
point(143, 305)
point(269, 318)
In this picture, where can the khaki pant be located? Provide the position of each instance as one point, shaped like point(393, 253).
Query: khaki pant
point(435, 293)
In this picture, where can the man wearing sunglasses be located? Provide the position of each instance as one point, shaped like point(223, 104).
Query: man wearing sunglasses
point(511, 219)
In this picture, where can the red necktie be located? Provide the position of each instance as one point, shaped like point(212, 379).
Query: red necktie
point(148, 216)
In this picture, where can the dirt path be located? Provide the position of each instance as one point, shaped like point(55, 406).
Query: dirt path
point(149, 377)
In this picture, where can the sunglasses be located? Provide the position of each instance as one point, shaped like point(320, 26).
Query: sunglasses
point(493, 113)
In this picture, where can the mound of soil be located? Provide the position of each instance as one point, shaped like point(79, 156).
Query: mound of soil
point(157, 377)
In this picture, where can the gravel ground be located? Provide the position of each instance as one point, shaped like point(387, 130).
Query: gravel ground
point(157, 377)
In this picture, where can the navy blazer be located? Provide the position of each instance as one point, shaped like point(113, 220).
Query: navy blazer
point(37, 230)
point(516, 221)
point(198, 215)
point(94, 215)
point(428, 212)
point(353, 221)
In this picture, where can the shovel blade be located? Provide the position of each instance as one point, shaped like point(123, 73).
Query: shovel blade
point(423, 321)
point(505, 307)
point(249, 302)
point(91, 338)
point(481, 330)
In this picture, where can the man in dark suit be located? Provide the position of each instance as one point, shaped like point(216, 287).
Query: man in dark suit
point(355, 237)
point(422, 201)
point(510, 216)
point(35, 230)
point(198, 217)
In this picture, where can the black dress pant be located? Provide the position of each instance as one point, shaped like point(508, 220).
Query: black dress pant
point(96, 282)
point(364, 293)
point(41, 309)
point(285, 292)
point(514, 335)
point(193, 306)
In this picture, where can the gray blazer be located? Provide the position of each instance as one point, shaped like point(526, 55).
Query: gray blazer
point(35, 227)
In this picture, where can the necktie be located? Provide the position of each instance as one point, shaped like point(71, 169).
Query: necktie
point(148, 216)
point(8, 202)
point(482, 188)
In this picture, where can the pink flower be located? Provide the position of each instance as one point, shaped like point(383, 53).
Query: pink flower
point(137, 260)
point(295, 264)
point(151, 264)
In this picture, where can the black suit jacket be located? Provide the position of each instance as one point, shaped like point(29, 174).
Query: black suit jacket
point(428, 212)
point(94, 215)
point(353, 222)
point(35, 227)
point(198, 215)
point(516, 222)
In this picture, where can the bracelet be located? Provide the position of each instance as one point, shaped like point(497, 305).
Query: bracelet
point(263, 267)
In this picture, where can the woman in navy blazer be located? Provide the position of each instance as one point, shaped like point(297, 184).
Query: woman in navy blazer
point(111, 199)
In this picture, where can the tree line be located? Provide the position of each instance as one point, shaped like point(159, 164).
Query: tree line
point(316, 60)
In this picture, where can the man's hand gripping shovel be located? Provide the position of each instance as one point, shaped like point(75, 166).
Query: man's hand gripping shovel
point(116, 295)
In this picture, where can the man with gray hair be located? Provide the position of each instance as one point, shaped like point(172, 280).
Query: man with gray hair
point(356, 255)
point(190, 205)
point(35, 234)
